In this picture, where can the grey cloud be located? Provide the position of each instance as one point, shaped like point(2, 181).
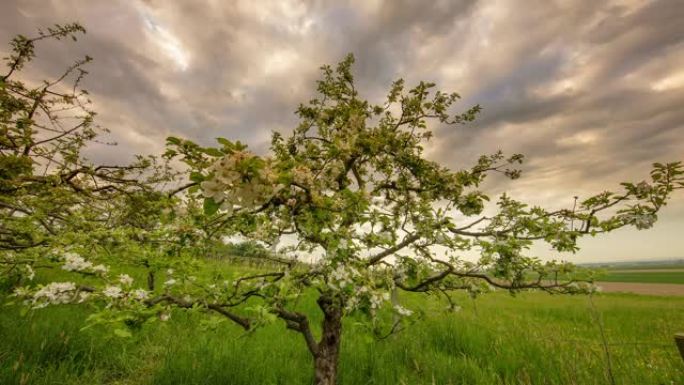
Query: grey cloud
point(584, 88)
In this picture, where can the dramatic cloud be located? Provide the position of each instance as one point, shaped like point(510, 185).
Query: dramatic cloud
point(591, 91)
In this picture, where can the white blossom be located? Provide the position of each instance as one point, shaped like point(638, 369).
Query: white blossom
point(213, 190)
point(302, 175)
point(140, 294)
point(233, 187)
point(83, 296)
point(170, 282)
point(30, 273)
point(342, 276)
point(228, 207)
point(74, 262)
point(125, 279)
point(54, 293)
point(641, 221)
point(402, 310)
point(164, 316)
point(100, 269)
point(377, 299)
point(352, 303)
point(112, 291)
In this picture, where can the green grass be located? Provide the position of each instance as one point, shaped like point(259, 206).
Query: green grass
point(650, 267)
point(644, 276)
point(636, 265)
point(533, 338)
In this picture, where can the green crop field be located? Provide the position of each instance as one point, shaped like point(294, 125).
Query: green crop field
point(533, 338)
point(675, 276)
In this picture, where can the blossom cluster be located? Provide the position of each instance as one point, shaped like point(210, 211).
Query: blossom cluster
point(342, 277)
point(363, 293)
point(302, 175)
point(402, 311)
point(232, 186)
point(583, 287)
point(642, 221)
point(55, 293)
point(74, 262)
point(112, 292)
point(125, 279)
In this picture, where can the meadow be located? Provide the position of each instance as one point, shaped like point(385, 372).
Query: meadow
point(531, 338)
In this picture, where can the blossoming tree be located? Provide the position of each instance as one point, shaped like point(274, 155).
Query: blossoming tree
point(354, 213)
point(351, 186)
point(50, 195)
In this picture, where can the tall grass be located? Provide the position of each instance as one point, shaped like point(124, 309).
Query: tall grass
point(533, 338)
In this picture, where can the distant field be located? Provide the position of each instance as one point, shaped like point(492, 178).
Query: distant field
point(660, 289)
point(669, 266)
point(645, 276)
point(664, 265)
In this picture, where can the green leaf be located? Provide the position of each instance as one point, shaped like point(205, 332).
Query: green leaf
point(173, 140)
point(212, 151)
point(196, 176)
point(225, 142)
point(210, 206)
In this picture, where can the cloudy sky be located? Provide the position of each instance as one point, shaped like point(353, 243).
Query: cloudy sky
point(591, 91)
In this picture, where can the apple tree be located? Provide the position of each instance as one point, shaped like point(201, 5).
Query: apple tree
point(51, 196)
point(351, 186)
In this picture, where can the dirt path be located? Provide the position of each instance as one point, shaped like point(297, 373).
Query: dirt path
point(642, 288)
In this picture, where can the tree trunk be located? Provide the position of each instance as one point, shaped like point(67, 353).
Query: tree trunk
point(325, 361)
point(150, 280)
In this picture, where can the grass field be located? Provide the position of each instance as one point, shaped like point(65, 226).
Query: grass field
point(645, 276)
point(533, 338)
point(672, 273)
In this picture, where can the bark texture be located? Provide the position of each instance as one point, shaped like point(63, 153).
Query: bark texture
point(326, 358)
